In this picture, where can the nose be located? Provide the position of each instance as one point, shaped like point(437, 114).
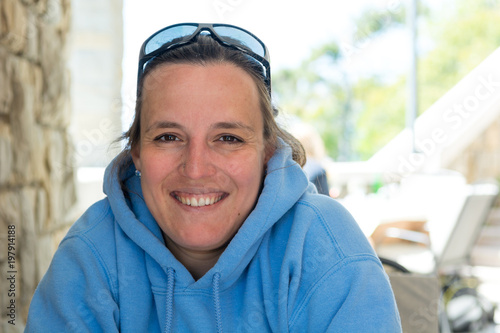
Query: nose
point(196, 162)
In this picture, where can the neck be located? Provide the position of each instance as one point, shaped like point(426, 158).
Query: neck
point(196, 262)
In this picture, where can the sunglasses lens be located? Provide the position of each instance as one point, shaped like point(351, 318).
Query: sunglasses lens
point(241, 37)
point(178, 35)
point(167, 36)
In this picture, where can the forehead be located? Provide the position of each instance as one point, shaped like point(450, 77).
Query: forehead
point(179, 90)
point(187, 73)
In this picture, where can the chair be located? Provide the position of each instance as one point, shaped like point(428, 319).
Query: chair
point(447, 243)
point(450, 246)
point(456, 249)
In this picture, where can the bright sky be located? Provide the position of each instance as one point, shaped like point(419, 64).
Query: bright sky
point(289, 28)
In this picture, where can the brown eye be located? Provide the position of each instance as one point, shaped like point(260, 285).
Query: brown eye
point(230, 139)
point(167, 137)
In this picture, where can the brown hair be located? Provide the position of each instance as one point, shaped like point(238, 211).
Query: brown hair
point(205, 50)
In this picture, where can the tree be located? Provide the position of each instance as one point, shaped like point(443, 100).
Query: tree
point(321, 90)
point(363, 114)
point(461, 41)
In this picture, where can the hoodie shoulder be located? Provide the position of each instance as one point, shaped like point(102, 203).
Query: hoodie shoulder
point(93, 217)
point(332, 223)
point(86, 258)
point(340, 274)
point(95, 230)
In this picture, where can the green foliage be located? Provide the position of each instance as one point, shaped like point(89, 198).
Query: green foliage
point(382, 117)
point(331, 51)
point(305, 92)
point(358, 117)
point(374, 21)
point(462, 43)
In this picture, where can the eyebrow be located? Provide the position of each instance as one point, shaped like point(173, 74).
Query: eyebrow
point(232, 125)
point(219, 125)
point(163, 124)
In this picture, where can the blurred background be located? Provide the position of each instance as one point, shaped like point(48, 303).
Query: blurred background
point(398, 100)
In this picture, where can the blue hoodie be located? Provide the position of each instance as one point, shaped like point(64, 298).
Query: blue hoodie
point(299, 263)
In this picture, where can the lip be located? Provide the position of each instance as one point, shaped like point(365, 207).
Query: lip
point(198, 200)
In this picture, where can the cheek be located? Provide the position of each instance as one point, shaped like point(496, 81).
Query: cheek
point(156, 167)
point(247, 173)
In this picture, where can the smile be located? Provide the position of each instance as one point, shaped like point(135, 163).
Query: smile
point(198, 201)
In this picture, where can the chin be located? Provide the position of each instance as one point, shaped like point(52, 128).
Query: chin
point(201, 241)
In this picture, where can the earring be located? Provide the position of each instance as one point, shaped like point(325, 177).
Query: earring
point(138, 173)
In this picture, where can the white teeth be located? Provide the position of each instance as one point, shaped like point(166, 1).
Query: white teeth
point(201, 202)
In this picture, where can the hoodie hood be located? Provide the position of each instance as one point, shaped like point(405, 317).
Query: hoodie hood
point(284, 184)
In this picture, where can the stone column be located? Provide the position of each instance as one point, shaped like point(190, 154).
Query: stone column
point(36, 178)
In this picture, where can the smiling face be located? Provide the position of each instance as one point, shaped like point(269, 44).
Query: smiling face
point(201, 152)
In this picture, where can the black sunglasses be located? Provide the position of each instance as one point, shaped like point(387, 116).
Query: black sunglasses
point(227, 35)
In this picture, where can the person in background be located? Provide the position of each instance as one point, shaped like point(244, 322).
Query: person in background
point(315, 153)
point(210, 223)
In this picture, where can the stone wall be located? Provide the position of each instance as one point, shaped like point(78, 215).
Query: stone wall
point(36, 179)
point(481, 160)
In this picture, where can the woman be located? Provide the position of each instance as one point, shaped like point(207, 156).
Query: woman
point(210, 223)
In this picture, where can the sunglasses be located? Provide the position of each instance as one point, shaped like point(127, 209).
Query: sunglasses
point(227, 35)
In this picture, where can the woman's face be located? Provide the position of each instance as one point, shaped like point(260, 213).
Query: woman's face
point(201, 152)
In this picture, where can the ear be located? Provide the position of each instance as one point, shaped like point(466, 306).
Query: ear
point(136, 156)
